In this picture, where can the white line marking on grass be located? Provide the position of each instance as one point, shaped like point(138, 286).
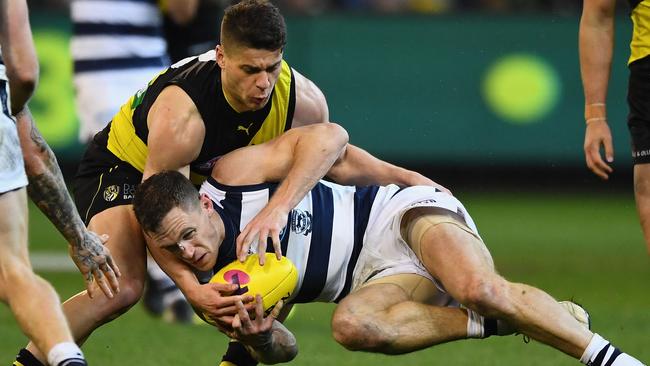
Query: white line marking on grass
point(52, 262)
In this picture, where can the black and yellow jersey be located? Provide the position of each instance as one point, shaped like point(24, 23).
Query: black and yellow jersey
point(640, 44)
point(225, 129)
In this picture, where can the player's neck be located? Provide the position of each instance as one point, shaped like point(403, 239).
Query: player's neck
point(217, 222)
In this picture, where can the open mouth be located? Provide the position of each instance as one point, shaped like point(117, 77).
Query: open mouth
point(197, 262)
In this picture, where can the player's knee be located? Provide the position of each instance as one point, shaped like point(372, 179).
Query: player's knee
point(359, 333)
point(485, 295)
point(130, 293)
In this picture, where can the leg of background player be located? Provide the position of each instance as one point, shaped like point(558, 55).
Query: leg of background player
point(33, 301)
point(642, 196)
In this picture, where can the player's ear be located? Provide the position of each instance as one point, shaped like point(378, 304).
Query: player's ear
point(206, 202)
point(220, 56)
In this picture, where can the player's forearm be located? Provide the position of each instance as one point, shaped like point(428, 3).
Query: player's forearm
point(46, 188)
point(358, 167)
point(277, 347)
point(178, 271)
point(314, 153)
point(596, 43)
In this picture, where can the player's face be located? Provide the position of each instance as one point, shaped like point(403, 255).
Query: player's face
point(248, 76)
point(190, 236)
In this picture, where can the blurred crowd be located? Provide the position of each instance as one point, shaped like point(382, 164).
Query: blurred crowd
point(314, 7)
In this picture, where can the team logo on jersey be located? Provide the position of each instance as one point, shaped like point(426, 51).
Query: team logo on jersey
point(111, 192)
point(245, 129)
point(301, 222)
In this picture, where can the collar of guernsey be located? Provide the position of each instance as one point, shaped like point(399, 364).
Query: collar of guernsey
point(640, 44)
point(128, 147)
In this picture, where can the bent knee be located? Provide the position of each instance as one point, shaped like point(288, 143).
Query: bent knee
point(130, 293)
point(487, 296)
point(360, 333)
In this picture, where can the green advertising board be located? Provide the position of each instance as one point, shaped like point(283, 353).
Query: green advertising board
point(464, 89)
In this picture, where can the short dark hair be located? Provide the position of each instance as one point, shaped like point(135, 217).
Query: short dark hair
point(159, 194)
point(254, 24)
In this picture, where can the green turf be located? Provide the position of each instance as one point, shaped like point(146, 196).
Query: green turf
point(587, 247)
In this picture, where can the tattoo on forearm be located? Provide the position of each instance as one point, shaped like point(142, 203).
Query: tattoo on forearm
point(49, 193)
point(279, 347)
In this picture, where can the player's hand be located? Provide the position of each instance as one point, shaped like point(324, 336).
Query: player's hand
point(267, 223)
point(254, 332)
point(215, 300)
point(94, 261)
point(597, 135)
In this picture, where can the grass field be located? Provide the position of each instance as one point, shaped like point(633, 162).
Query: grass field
point(587, 247)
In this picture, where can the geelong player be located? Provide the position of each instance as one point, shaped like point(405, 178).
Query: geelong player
point(398, 260)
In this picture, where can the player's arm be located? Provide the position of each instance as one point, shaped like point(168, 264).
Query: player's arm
point(298, 159)
point(364, 169)
point(18, 52)
point(211, 299)
point(176, 132)
point(48, 191)
point(265, 338)
point(596, 44)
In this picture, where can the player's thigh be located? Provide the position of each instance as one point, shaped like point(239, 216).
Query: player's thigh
point(125, 240)
point(447, 247)
point(14, 258)
point(380, 294)
point(13, 226)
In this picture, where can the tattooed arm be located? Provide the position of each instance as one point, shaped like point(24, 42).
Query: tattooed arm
point(48, 191)
point(265, 338)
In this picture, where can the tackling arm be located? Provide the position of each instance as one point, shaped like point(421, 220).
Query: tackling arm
point(297, 159)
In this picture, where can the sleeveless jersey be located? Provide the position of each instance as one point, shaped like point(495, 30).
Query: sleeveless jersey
point(225, 129)
point(12, 167)
point(640, 44)
point(319, 238)
point(113, 35)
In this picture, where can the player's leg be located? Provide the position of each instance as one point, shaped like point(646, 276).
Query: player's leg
point(32, 300)
point(126, 244)
point(392, 315)
point(452, 253)
point(642, 196)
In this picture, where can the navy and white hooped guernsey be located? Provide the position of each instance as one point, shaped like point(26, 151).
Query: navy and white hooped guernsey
point(117, 34)
point(332, 231)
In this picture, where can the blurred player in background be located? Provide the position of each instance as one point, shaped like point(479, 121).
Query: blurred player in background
point(596, 51)
point(239, 94)
point(33, 301)
point(398, 260)
point(117, 47)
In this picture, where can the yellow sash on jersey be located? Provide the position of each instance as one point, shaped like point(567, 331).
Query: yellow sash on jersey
point(640, 44)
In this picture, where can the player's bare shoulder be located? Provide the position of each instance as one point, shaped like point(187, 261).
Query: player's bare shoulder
point(311, 105)
point(173, 120)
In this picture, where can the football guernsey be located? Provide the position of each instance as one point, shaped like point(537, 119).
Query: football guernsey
point(339, 237)
point(640, 44)
point(225, 129)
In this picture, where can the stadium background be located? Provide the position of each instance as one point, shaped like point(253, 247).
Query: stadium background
point(484, 97)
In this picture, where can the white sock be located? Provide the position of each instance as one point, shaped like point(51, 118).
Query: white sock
point(475, 328)
point(600, 352)
point(64, 351)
